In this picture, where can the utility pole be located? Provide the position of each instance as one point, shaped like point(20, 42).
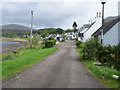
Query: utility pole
point(102, 36)
point(31, 29)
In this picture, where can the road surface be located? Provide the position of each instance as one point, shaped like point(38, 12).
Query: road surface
point(62, 69)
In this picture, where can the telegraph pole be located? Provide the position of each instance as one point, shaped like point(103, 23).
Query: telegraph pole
point(31, 29)
point(102, 36)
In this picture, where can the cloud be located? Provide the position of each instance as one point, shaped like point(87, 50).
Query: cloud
point(45, 14)
point(56, 0)
point(59, 13)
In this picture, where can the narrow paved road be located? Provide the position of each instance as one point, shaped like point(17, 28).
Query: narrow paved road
point(62, 69)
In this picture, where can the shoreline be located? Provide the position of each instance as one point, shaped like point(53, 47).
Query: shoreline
point(22, 43)
point(13, 39)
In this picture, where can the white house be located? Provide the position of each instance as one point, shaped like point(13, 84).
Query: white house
point(81, 33)
point(87, 33)
point(70, 35)
point(111, 32)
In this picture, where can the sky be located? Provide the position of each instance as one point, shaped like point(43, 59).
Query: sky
point(53, 13)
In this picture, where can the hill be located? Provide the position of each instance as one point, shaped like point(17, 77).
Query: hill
point(46, 31)
point(14, 33)
point(14, 27)
point(15, 30)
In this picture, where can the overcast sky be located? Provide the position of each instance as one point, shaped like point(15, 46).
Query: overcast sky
point(54, 13)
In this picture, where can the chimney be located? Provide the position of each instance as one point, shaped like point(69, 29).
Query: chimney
point(99, 14)
point(90, 21)
point(98, 17)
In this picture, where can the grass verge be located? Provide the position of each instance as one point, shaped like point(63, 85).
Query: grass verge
point(103, 74)
point(29, 58)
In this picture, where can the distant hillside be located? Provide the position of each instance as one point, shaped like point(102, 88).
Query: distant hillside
point(14, 27)
point(14, 33)
point(14, 30)
point(46, 31)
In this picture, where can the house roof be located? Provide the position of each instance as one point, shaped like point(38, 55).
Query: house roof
point(84, 29)
point(107, 26)
point(90, 26)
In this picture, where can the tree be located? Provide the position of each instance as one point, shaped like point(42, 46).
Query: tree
point(74, 25)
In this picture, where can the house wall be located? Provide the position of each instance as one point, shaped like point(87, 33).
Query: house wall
point(83, 38)
point(111, 37)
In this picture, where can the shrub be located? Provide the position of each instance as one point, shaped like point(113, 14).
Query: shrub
point(72, 38)
point(109, 56)
point(7, 57)
point(76, 39)
point(35, 41)
point(78, 43)
point(51, 38)
point(105, 55)
point(13, 54)
point(18, 51)
point(49, 43)
point(90, 48)
point(116, 56)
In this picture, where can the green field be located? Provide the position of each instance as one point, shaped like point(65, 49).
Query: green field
point(103, 74)
point(27, 59)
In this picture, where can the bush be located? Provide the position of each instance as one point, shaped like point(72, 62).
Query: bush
point(35, 41)
point(109, 56)
point(7, 57)
point(13, 54)
point(116, 56)
point(78, 43)
point(72, 38)
point(51, 38)
point(49, 43)
point(90, 48)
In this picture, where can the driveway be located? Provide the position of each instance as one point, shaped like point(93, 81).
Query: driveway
point(62, 69)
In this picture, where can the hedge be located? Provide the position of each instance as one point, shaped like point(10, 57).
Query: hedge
point(110, 56)
point(49, 43)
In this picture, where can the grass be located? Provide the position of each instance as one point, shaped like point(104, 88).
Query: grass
point(27, 59)
point(100, 71)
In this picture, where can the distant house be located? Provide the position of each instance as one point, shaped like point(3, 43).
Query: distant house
point(70, 35)
point(111, 32)
point(82, 30)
